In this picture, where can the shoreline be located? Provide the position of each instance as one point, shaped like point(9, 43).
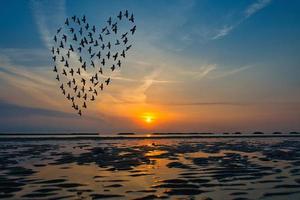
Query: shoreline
point(6, 137)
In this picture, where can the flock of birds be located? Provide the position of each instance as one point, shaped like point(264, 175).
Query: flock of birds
point(82, 53)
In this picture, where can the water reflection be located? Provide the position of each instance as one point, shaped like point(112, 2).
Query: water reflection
point(150, 169)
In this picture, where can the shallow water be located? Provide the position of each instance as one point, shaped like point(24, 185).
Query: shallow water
point(216, 168)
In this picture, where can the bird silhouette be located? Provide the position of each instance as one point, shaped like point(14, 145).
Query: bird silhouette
point(126, 14)
point(131, 18)
point(93, 98)
point(128, 47)
point(124, 35)
point(120, 15)
point(123, 54)
point(83, 19)
point(71, 71)
point(133, 30)
point(58, 30)
point(119, 63)
point(107, 81)
point(109, 21)
point(64, 72)
point(113, 67)
point(74, 18)
point(80, 51)
point(115, 56)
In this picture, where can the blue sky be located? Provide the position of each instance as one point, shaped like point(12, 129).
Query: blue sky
point(196, 65)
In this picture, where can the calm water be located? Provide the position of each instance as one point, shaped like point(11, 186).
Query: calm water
point(220, 168)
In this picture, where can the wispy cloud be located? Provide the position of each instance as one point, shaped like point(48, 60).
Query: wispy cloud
point(27, 86)
point(224, 73)
point(255, 7)
point(47, 14)
point(248, 12)
point(211, 71)
point(223, 31)
point(202, 71)
point(13, 110)
point(170, 103)
point(139, 94)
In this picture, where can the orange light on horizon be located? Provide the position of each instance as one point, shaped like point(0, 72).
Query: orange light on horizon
point(148, 118)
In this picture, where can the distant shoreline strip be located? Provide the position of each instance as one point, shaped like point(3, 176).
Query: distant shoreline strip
point(134, 137)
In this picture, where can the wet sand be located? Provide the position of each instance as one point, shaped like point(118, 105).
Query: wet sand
point(185, 168)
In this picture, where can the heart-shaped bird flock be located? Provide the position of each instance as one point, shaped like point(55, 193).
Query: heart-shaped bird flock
point(85, 56)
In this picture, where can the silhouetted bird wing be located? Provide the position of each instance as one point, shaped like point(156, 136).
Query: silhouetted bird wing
point(127, 48)
point(58, 30)
point(71, 48)
point(131, 18)
point(113, 68)
point(100, 37)
point(123, 54)
point(107, 81)
point(109, 21)
point(78, 21)
point(119, 63)
point(133, 30)
point(120, 15)
point(115, 56)
point(83, 19)
point(124, 35)
point(104, 29)
point(67, 22)
point(98, 54)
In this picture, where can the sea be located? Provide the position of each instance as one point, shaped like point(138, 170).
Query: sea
point(150, 166)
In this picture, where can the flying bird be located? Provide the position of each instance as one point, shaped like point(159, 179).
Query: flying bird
point(107, 81)
point(133, 30)
point(80, 51)
point(109, 21)
point(120, 15)
point(131, 18)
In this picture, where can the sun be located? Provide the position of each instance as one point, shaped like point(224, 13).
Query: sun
point(148, 118)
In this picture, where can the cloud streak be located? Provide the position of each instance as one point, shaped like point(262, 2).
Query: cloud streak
point(230, 72)
point(255, 7)
point(47, 14)
point(248, 12)
point(13, 110)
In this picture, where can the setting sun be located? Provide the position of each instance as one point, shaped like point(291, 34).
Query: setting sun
point(148, 118)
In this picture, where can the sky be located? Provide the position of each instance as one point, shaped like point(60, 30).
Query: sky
point(195, 66)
